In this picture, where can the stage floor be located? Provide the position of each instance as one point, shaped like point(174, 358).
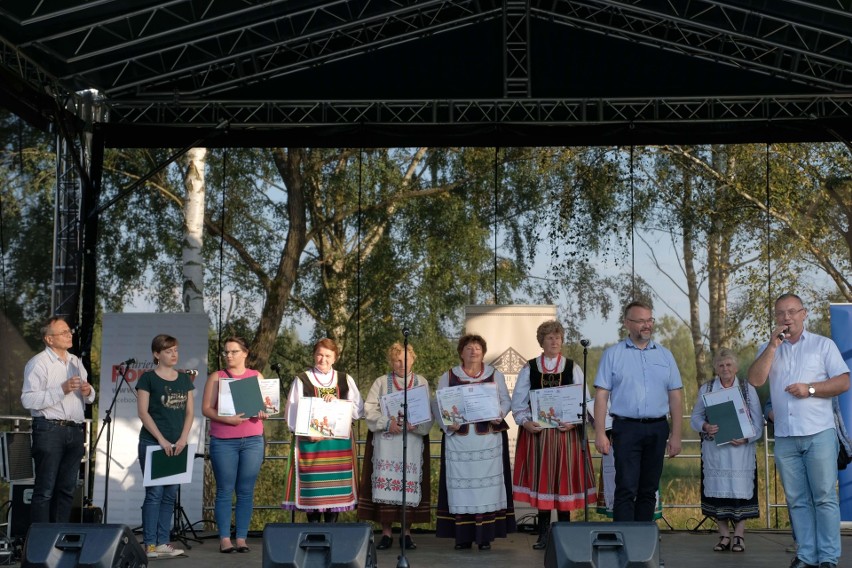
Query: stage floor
point(764, 549)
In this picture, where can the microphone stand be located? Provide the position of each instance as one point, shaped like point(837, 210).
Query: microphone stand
point(402, 561)
point(108, 422)
point(277, 368)
point(584, 438)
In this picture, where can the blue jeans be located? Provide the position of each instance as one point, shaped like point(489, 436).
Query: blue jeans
point(236, 465)
point(808, 467)
point(57, 451)
point(158, 509)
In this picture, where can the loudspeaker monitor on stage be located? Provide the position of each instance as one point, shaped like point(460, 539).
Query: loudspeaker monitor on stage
point(603, 545)
point(318, 545)
point(59, 545)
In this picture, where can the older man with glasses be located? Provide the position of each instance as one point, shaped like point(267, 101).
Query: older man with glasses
point(640, 379)
point(805, 371)
point(55, 392)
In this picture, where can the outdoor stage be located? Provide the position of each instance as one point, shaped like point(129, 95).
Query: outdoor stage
point(764, 549)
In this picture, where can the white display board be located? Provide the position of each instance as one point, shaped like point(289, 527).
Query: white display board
point(128, 336)
point(510, 332)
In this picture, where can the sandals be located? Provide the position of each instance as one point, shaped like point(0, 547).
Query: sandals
point(722, 546)
point(739, 544)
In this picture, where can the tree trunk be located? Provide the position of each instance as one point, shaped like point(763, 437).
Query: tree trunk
point(193, 263)
point(687, 208)
point(290, 163)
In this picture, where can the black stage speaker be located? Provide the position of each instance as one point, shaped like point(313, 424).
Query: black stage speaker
point(21, 495)
point(603, 545)
point(318, 545)
point(57, 545)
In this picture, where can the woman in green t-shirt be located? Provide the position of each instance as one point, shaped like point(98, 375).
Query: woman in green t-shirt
point(165, 408)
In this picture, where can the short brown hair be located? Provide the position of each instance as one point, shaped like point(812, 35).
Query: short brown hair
point(547, 328)
point(162, 342)
point(238, 340)
point(329, 344)
point(471, 338)
point(637, 304)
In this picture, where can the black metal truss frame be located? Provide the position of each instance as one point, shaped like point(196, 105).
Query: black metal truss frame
point(794, 41)
point(270, 114)
point(202, 48)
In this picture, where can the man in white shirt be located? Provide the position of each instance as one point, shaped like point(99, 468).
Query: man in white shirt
point(805, 371)
point(55, 392)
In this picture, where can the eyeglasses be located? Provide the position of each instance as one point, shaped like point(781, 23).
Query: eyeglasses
point(642, 322)
point(231, 353)
point(65, 332)
point(788, 313)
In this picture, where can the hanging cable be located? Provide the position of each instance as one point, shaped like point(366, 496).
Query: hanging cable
point(632, 230)
point(768, 229)
point(222, 247)
point(358, 265)
point(496, 188)
point(358, 275)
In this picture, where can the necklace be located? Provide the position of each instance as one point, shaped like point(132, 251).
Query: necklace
point(477, 375)
point(397, 386)
point(319, 382)
point(544, 368)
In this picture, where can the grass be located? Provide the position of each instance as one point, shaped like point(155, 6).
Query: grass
point(680, 487)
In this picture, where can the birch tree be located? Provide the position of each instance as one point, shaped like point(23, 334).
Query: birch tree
point(193, 262)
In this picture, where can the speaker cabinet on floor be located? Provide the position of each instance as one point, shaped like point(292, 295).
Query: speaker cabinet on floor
point(603, 545)
point(57, 545)
point(318, 545)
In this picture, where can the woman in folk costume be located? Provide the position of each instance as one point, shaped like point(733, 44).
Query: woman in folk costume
point(475, 489)
point(321, 472)
point(729, 471)
point(551, 470)
point(380, 495)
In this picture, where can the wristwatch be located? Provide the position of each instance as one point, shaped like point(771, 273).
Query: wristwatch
point(811, 390)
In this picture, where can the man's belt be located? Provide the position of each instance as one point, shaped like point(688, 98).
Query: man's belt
point(641, 420)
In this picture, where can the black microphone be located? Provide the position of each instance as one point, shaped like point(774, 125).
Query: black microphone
point(276, 367)
point(406, 332)
point(783, 335)
point(129, 362)
point(585, 342)
point(192, 372)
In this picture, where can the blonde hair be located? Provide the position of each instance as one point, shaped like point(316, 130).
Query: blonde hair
point(397, 350)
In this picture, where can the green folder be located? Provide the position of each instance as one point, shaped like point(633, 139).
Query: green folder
point(165, 466)
point(247, 397)
point(724, 416)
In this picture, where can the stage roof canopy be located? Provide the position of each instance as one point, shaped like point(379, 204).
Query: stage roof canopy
point(437, 72)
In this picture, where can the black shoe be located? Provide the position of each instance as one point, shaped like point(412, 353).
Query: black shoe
point(407, 542)
point(799, 563)
point(485, 546)
point(827, 565)
point(385, 543)
point(228, 550)
point(541, 543)
point(243, 549)
point(463, 545)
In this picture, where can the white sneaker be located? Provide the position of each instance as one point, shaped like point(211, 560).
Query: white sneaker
point(151, 551)
point(165, 551)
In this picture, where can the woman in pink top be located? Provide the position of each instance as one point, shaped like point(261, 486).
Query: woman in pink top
point(236, 449)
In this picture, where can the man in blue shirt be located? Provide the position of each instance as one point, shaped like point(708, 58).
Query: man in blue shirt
point(805, 371)
point(641, 382)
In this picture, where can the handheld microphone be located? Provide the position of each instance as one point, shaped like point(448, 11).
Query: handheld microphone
point(129, 362)
point(192, 372)
point(276, 367)
point(783, 335)
point(585, 342)
point(406, 332)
